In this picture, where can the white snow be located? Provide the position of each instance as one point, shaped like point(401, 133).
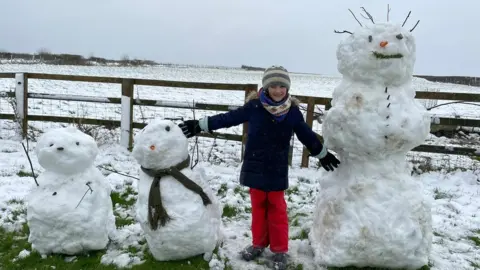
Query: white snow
point(194, 228)
point(455, 208)
point(371, 211)
point(71, 211)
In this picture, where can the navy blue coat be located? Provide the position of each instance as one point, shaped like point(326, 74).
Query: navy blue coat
point(265, 164)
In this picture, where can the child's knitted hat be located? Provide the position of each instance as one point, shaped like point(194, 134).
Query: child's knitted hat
point(276, 75)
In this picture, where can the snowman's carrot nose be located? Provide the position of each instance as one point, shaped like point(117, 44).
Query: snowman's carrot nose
point(383, 43)
point(152, 147)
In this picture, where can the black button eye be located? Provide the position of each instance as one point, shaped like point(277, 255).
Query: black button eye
point(370, 38)
point(167, 128)
point(51, 144)
point(77, 143)
point(399, 36)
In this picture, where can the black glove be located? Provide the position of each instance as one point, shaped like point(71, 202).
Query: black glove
point(190, 128)
point(329, 161)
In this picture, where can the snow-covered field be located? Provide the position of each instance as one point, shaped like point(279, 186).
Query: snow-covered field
point(456, 208)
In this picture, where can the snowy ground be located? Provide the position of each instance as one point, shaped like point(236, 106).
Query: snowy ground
point(456, 209)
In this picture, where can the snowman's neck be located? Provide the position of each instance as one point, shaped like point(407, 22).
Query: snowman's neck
point(180, 166)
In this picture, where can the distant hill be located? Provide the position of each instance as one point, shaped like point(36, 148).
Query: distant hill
point(465, 80)
point(45, 57)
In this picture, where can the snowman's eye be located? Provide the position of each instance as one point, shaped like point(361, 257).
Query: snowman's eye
point(51, 144)
point(167, 128)
point(77, 143)
point(399, 36)
point(370, 38)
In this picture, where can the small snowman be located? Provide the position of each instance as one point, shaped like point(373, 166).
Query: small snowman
point(370, 212)
point(175, 207)
point(71, 211)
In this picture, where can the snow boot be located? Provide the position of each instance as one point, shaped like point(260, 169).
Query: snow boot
point(280, 261)
point(251, 253)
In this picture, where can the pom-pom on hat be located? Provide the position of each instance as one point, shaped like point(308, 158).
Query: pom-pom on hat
point(276, 75)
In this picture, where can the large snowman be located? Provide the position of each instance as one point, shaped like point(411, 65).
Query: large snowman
point(71, 211)
point(176, 207)
point(370, 211)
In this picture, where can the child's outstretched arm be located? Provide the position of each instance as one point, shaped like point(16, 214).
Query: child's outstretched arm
point(308, 138)
point(222, 120)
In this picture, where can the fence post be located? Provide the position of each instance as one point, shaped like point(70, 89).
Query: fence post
point(309, 120)
point(21, 98)
point(245, 125)
point(126, 123)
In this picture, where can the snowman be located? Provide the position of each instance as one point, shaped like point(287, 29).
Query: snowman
point(71, 210)
point(370, 212)
point(175, 207)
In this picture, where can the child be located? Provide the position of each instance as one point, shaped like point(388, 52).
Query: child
point(272, 115)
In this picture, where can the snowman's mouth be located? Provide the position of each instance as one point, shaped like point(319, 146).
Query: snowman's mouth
point(387, 56)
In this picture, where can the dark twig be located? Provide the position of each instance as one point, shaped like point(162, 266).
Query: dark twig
point(368, 14)
point(414, 26)
point(117, 172)
point(341, 32)
point(355, 17)
point(30, 161)
point(453, 102)
point(408, 15)
point(388, 12)
point(91, 191)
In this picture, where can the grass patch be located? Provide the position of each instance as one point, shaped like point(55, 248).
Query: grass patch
point(301, 236)
point(125, 198)
point(222, 190)
point(474, 265)
point(121, 222)
point(439, 194)
point(475, 240)
point(295, 219)
point(229, 211)
point(23, 173)
point(15, 201)
point(239, 190)
point(13, 242)
point(293, 190)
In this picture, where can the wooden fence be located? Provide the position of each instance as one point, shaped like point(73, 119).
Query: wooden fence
point(127, 102)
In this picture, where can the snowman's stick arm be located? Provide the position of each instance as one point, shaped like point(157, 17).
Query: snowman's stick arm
point(30, 161)
point(344, 31)
point(117, 172)
point(91, 191)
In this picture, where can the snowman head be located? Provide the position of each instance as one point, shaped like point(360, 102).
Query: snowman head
point(66, 150)
point(159, 145)
point(381, 52)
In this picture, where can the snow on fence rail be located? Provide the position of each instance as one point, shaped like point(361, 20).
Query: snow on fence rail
point(127, 102)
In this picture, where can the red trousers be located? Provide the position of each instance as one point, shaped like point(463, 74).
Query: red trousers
point(269, 220)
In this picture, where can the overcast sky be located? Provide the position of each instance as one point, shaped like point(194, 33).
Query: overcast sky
point(295, 33)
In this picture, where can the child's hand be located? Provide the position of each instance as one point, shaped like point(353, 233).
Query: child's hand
point(190, 128)
point(329, 161)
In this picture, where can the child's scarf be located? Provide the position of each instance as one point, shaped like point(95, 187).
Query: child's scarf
point(280, 109)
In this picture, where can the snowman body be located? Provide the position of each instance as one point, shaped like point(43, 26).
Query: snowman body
point(71, 211)
point(193, 228)
point(370, 212)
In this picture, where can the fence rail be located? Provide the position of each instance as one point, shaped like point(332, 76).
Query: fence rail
point(127, 101)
